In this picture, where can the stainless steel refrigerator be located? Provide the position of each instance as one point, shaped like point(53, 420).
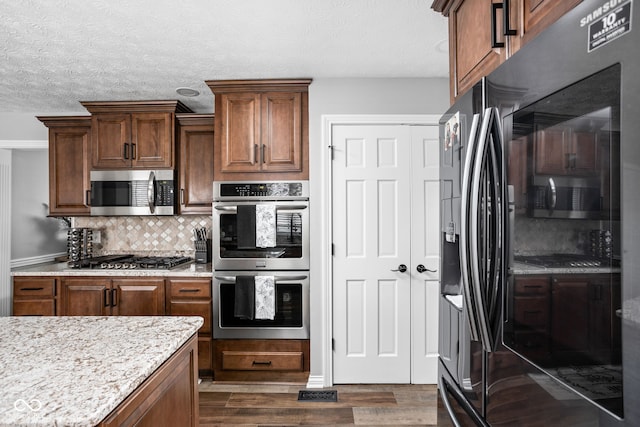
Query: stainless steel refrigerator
point(540, 230)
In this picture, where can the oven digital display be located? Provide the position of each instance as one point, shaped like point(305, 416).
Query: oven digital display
point(270, 189)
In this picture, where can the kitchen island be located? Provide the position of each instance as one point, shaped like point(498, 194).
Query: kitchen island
point(96, 370)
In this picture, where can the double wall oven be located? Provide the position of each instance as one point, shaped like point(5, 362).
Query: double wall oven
point(260, 257)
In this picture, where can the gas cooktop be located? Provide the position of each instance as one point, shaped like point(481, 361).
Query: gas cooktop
point(564, 261)
point(131, 262)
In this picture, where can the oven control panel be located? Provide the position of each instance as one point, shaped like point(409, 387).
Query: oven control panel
point(254, 190)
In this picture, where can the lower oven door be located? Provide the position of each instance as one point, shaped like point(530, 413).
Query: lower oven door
point(290, 302)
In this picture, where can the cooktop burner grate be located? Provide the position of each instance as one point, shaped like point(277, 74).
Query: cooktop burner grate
point(564, 260)
point(133, 262)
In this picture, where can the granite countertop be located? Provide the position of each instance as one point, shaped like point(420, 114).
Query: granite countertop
point(74, 371)
point(62, 269)
point(519, 268)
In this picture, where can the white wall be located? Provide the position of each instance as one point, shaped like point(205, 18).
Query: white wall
point(353, 96)
point(33, 233)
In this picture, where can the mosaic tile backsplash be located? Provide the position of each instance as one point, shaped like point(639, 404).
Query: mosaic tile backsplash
point(145, 235)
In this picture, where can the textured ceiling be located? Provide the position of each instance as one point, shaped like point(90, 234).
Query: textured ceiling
point(54, 53)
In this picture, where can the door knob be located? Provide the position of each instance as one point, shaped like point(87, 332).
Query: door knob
point(421, 269)
point(401, 268)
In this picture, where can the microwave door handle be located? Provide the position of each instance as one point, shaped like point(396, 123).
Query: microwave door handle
point(229, 279)
point(464, 230)
point(151, 191)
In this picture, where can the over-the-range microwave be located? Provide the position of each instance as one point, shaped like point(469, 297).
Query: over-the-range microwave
point(132, 192)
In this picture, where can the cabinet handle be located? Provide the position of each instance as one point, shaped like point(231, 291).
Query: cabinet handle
point(182, 196)
point(494, 32)
point(266, 362)
point(107, 303)
point(189, 290)
point(262, 153)
point(126, 151)
point(133, 151)
point(255, 153)
point(508, 31)
point(87, 201)
point(114, 297)
point(31, 289)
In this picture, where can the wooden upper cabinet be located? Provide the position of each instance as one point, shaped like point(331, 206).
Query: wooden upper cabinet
point(69, 148)
point(133, 134)
point(470, 44)
point(195, 162)
point(562, 150)
point(538, 15)
point(261, 128)
point(476, 47)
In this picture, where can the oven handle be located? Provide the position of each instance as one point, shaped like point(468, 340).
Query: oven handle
point(278, 207)
point(276, 278)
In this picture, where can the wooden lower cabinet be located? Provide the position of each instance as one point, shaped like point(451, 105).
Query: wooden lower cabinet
point(168, 398)
point(89, 296)
point(261, 360)
point(34, 296)
point(192, 297)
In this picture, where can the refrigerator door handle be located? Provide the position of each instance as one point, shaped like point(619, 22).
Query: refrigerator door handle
point(498, 211)
point(479, 296)
point(467, 291)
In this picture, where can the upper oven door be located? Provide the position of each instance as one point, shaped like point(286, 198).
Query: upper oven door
point(271, 235)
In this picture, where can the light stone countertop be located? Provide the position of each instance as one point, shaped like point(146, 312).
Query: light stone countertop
point(520, 268)
point(74, 371)
point(62, 269)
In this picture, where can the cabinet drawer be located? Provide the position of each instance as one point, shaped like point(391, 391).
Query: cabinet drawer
point(531, 311)
point(34, 287)
point(190, 289)
point(42, 307)
point(262, 361)
point(532, 286)
point(193, 308)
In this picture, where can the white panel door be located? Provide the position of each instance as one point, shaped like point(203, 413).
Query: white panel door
point(371, 228)
point(425, 251)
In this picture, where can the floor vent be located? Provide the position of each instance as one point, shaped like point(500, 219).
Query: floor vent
point(318, 395)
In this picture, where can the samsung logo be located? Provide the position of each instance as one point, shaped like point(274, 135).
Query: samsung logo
point(599, 12)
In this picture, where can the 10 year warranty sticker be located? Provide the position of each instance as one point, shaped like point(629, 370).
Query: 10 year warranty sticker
point(607, 23)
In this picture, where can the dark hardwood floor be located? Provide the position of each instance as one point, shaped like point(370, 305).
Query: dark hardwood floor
point(277, 405)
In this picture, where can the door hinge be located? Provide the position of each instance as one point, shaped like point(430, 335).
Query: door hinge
point(333, 249)
point(333, 344)
point(330, 147)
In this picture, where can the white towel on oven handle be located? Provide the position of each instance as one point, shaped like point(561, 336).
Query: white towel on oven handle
point(265, 290)
point(266, 225)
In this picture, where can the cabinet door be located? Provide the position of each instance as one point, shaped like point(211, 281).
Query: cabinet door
point(195, 168)
point(110, 133)
point(539, 14)
point(584, 158)
point(85, 297)
point(570, 316)
point(551, 149)
point(471, 53)
point(137, 297)
point(69, 170)
point(152, 140)
point(240, 132)
point(281, 135)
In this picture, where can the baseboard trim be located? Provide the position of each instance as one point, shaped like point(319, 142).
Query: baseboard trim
point(315, 381)
point(41, 259)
